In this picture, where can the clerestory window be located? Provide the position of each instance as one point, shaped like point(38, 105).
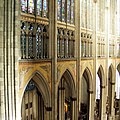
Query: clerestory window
point(65, 11)
point(36, 7)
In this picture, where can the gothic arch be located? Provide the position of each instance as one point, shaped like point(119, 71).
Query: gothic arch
point(118, 67)
point(70, 81)
point(88, 76)
point(101, 75)
point(42, 86)
point(111, 73)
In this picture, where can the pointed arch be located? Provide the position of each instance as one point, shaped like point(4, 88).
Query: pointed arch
point(111, 73)
point(88, 76)
point(42, 85)
point(101, 75)
point(118, 67)
point(70, 81)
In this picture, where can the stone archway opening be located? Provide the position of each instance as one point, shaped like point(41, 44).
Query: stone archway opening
point(86, 90)
point(36, 100)
point(32, 103)
point(99, 87)
point(117, 93)
point(110, 89)
point(66, 97)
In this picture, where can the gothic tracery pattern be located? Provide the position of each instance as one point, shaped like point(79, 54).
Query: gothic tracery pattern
point(65, 11)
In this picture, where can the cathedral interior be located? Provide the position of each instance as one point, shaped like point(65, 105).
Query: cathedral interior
point(60, 60)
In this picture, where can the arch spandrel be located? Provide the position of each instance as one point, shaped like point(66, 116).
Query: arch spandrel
point(86, 65)
point(62, 67)
point(41, 83)
point(25, 73)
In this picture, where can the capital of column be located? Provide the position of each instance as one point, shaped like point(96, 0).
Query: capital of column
point(102, 86)
point(61, 88)
point(48, 108)
point(90, 92)
point(112, 83)
point(73, 98)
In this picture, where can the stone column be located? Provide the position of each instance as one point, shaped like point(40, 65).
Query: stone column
point(112, 102)
point(9, 54)
point(73, 100)
point(48, 113)
point(103, 115)
point(91, 106)
point(61, 101)
point(78, 54)
point(53, 37)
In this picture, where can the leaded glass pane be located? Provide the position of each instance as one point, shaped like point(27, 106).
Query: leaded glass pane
point(23, 44)
point(30, 42)
point(59, 10)
point(24, 6)
point(39, 42)
point(30, 86)
point(31, 6)
point(68, 11)
point(72, 11)
point(23, 40)
point(45, 10)
point(39, 7)
point(63, 10)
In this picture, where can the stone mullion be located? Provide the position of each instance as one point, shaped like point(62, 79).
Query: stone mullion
point(58, 45)
point(65, 47)
point(61, 46)
point(91, 46)
point(89, 43)
point(34, 42)
point(73, 48)
point(47, 45)
point(27, 41)
point(44, 42)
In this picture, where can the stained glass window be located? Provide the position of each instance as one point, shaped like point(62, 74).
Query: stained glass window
point(31, 6)
point(30, 86)
point(59, 10)
point(45, 10)
point(68, 11)
point(39, 7)
point(23, 40)
point(24, 6)
point(72, 11)
point(39, 42)
point(30, 42)
point(63, 10)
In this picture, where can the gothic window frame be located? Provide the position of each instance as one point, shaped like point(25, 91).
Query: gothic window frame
point(33, 7)
point(62, 11)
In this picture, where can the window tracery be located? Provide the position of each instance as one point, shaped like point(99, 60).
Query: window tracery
point(65, 43)
point(34, 41)
point(36, 7)
point(65, 11)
